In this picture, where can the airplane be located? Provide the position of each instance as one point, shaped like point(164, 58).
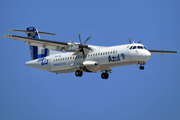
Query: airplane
point(48, 55)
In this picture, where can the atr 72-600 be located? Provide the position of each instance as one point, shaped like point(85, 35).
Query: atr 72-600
point(79, 58)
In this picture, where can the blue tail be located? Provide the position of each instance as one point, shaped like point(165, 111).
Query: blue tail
point(36, 52)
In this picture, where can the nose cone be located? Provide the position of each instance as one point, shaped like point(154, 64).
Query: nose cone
point(146, 55)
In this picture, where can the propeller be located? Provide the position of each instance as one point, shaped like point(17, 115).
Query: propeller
point(130, 40)
point(82, 46)
point(133, 42)
point(139, 41)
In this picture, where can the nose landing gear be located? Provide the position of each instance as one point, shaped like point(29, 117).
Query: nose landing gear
point(141, 67)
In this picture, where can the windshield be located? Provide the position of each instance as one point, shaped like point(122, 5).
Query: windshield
point(137, 47)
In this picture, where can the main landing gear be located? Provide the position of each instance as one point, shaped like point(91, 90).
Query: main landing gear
point(141, 67)
point(79, 73)
point(104, 75)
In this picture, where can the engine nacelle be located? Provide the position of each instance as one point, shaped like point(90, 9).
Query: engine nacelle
point(71, 47)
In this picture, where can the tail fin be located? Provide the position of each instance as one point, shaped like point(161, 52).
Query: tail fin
point(36, 52)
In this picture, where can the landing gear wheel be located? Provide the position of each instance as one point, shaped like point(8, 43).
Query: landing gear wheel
point(104, 75)
point(141, 67)
point(78, 73)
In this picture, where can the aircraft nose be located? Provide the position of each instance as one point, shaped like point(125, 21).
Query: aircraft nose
point(147, 55)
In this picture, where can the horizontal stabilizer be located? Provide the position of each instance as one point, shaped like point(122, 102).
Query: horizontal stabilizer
point(162, 51)
point(56, 45)
point(24, 31)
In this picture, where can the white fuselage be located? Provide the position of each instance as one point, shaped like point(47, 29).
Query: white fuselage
point(95, 61)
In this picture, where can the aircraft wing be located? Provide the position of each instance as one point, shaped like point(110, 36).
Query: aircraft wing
point(162, 51)
point(63, 46)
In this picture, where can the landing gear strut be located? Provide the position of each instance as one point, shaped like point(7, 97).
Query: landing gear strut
point(79, 73)
point(104, 75)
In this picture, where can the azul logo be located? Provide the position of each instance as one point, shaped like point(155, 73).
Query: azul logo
point(44, 61)
point(116, 58)
point(123, 56)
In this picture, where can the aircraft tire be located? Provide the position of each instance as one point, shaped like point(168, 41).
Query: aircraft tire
point(104, 75)
point(78, 73)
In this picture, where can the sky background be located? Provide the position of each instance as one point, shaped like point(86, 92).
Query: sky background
point(129, 93)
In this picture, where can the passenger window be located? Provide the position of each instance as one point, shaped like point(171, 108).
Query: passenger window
point(98, 54)
point(134, 47)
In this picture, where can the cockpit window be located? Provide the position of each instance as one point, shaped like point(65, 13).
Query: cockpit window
point(131, 47)
point(137, 47)
point(140, 47)
point(134, 47)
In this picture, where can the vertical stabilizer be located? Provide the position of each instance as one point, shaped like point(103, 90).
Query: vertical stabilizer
point(36, 52)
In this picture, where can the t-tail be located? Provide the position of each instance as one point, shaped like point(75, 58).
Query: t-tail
point(36, 52)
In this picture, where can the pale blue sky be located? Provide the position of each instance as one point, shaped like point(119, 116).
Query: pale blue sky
point(129, 93)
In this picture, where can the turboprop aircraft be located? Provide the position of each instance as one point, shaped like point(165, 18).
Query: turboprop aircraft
point(79, 58)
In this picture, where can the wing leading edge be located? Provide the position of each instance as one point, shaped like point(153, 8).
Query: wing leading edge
point(162, 51)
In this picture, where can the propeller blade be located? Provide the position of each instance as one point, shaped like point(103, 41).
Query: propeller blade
point(130, 40)
point(139, 41)
point(87, 40)
point(83, 53)
point(79, 37)
point(75, 53)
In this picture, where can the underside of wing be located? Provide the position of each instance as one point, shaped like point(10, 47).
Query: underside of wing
point(162, 51)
